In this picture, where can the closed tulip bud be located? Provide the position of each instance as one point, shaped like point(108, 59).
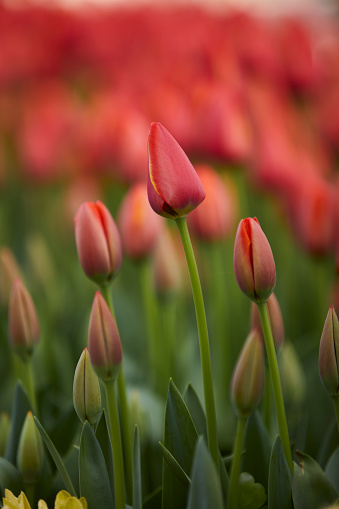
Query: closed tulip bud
point(86, 390)
point(328, 353)
point(98, 242)
point(140, 227)
point(30, 456)
point(23, 321)
point(254, 265)
point(249, 375)
point(104, 343)
point(174, 188)
point(9, 270)
point(275, 318)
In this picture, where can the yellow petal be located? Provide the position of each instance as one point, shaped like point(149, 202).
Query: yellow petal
point(13, 502)
point(42, 504)
point(65, 501)
point(23, 502)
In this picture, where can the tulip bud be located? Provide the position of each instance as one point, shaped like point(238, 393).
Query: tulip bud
point(5, 427)
point(23, 321)
point(140, 227)
point(253, 261)
point(98, 242)
point(9, 270)
point(167, 267)
point(248, 378)
point(328, 351)
point(86, 390)
point(174, 188)
point(275, 318)
point(104, 343)
point(65, 501)
point(30, 456)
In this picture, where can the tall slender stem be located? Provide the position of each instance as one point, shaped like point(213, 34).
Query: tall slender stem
point(266, 406)
point(114, 427)
point(126, 430)
point(232, 499)
point(276, 384)
point(29, 384)
point(205, 355)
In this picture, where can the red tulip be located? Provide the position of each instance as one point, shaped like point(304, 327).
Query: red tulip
point(98, 242)
point(254, 265)
point(174, 188)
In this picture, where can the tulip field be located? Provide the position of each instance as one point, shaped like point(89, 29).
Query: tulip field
point(169, 258)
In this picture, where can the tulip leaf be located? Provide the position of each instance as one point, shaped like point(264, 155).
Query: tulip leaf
point(174, 465)
point(71, 462)
point(279, 480)
point(21, 406)
point(328, 444)
point(56, 458)
point(251, 494)
point(205, 491)
point(332, 469)
point(137, 491)
point(180, 439)
point(311, 488)
point(153, 500)
point(94, 481)
point(104, 440)
point(10, 478)
point(257, 448)
point(224, 479)
point(63, 431)
point(196, 410)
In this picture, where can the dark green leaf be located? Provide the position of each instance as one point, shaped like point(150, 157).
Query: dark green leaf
point(196, 411)
point(174, 465)
point(257, 448)
point(251, 494)
point(180, 439)
point(279, 480)
point(104, 440)
point(223, 479)
point(10, 478)
point(94, 482)
point(332, 469)
point(71, 462)
point(205, 491)
point(328, 444)
point(153, 500)
point(21, 406)
point(311, 488)
point(137, 492)
point(62, 434)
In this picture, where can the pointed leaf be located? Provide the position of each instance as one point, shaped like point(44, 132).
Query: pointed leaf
point(328, 444)
point(311, 488)
point(251, 494)
point(205, 490)
point(279, 480)
point(104, 440)
point(224, 479)
point(63, 431)
point(332, 469)
point(153, 500)
point(137, 492)
point(196, 410)
point(174, 465)
point(10, 478)
point(71, 462)
point(257, 448)
point(21, 406)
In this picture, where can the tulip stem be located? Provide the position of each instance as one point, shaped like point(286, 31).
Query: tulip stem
point(276, 384)
point(29, 384)
point(126, 431)
point(205, 355)
point(114, 427)
point(266, 407)
point(336, 407)
point(233, 489)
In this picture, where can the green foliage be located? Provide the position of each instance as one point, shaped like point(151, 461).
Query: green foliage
point(137, 493)
point(279, 479)
point(251, 494)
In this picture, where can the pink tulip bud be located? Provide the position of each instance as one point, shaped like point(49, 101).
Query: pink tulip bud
point(23, 321)
point(140, 227)
point(328, 353)
point(98, 242)
point(173, 186)
point(104, 343)
point(254, 265)
point(275, 317)
point(249, 375)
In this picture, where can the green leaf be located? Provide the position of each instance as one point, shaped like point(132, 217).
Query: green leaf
point(279, 480)
point(180, 439)
point(94, 482)
point(257, 448)
point(63, 432)
point(205, 491)
point(174, 465)
point(71, 462)
point(311, 488)
point(332, 469)
point(153, 500)
point(251, 494)
point(21, 406)
point(137, 491)
point(104, 440)
point(10, 478)
point(328, 444)
point(56, 458)
point(196, 410)
point(224, 479)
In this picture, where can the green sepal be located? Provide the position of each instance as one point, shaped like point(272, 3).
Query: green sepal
point(205, 491)
point(258, 450)
point(21, 406)
point(279, 479)
point(174, 465)
point(252, 495)
point(137, 490)
point(311, 488)
point(10, 478)
point(196, 410)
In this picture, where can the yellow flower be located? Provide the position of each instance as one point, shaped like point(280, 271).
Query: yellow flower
point(63, 501)
point(12, 502)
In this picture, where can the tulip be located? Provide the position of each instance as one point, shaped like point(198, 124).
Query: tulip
point(23, 321)
point(275, 318)
point(30, 455)
point(254, 265)
point(328, 352)
point(98, 242)
point(140, 227)
point(63, 500)
point(104, 343)
point(86, 390)
point(174, 188)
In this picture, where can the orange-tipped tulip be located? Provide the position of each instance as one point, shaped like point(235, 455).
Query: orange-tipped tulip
point(254, 265)
point(98, 242)
point(104, 343)
point(174, 188)
point(328, 353)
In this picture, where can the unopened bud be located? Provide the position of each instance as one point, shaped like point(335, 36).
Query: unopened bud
point(86, 390)
point(30, 456)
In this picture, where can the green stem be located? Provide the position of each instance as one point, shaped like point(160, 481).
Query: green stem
point(266, 406)
point(29, 384)
point(232, 499)
point(276, 384)
point(114, 428)
point(203, 342)
point(336, 407)
point(126, 430)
